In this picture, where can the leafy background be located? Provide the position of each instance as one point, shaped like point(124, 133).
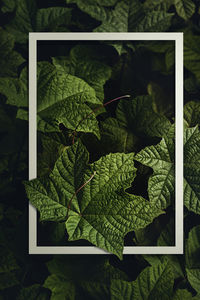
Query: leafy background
point(149, 83)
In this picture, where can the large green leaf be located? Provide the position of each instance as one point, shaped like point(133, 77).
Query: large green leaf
point(81, 277)
point(139, 116)
point(154, 282)
point(94, 72)
point(102, 213)
point(62, 98)
point(185, 8)
point(28, 19)
point(161, 159)
point(126, 16)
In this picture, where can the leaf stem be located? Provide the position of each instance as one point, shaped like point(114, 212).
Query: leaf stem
point(80, 188)
point(96, 109)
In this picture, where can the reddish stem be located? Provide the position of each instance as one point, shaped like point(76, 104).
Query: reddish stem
point(80, 188)
point(96, 109)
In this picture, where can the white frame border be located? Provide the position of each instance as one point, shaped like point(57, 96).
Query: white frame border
point(178, 38)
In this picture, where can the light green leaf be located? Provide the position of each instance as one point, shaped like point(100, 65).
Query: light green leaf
point(154, 282)
point(94, 72)
point(102, 212)
point(161, 159)
point(185, 8)
point(62, 98)
point(192, 169)
point(192, 113)
point(138, 115)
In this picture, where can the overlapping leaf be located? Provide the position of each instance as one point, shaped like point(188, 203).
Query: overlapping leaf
point(62, 98)
point(28, 19)
point(126, 16)
point(161, 159)
point(191, 169)
point(10, 59)
point(101, 212)
point(154, 282)
point(138, 115)
point(81, 64)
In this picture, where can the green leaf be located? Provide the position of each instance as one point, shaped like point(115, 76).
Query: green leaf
point(158, 5)
point(192, 54)
point(49, 19)
point(102, 212)
point(161, 159)
point(126, 16)
point(8, 5)
point(62, 98)
point(193, 276)
point(8, 280)
point(182, 295)
point(167, 236)
point(192, 113)
point(191, 169)
point(7, 261)
point(10, 60)
point(33, 292)
point(138, 115)
point(94, 72)
point(61, 289)
point(185, 8)
point(15, 89)
point(154, 282)
point(29, 19)
point(115, 138)
point(86, 277)
point(193, 248)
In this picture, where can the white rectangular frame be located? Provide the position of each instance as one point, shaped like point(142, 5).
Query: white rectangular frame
point(178, 38)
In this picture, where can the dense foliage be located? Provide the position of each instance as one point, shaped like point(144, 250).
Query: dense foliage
point(106, 166)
